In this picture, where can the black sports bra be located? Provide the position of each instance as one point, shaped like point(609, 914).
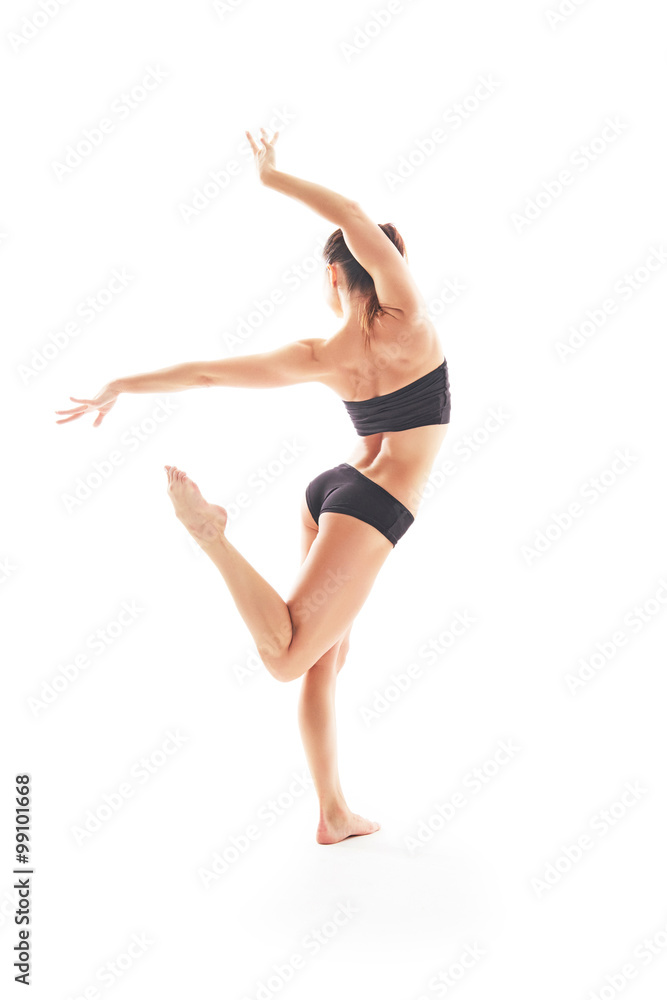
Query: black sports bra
point(424, 401)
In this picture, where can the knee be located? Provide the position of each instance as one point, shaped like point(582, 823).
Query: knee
point(283, 675)
point(274, 655)
point(343, 650)
point(279, 667)
point(285, 666)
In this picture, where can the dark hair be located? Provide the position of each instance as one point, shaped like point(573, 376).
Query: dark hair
point(357, 278)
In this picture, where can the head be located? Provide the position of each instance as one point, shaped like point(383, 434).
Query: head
point(349, 287)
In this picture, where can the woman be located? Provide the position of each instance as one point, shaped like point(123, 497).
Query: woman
point(387, 365)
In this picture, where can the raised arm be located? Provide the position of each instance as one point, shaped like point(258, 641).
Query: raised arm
point(300, 361)
point(394, 284)
point(375, 252)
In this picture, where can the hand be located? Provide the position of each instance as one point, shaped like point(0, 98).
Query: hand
point(265, 155)
point(103, 402)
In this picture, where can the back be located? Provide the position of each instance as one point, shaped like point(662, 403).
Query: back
point(399, 353)
point(400, 461)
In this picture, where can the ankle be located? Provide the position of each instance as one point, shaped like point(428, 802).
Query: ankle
point(333, 809)
point(211, 534)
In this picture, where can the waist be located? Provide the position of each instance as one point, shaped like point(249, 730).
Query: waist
point(400, 467)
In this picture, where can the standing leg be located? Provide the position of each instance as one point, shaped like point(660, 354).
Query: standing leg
point(317, 721)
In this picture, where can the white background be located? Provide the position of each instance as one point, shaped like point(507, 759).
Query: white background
point(356, 99)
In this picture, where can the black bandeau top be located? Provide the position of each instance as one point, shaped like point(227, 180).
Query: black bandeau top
point(424, 401)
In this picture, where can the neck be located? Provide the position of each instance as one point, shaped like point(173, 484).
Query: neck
point(350, 307)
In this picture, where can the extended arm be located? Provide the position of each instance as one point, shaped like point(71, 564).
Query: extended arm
point(289, 365)
point(300, 361)
point(367, 243)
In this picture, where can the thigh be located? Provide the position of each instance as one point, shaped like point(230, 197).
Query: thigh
point(309, 529)
point(333, 583)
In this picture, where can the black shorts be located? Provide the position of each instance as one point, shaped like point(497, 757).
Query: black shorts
point(345, 490)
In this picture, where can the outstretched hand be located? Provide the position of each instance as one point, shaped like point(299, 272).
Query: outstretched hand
point(103, 402)
point(265, 154)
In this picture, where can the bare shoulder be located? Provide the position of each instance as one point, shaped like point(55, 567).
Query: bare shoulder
point(316, 347)
point(321, 359)
point(401, 344)
point(399, 349)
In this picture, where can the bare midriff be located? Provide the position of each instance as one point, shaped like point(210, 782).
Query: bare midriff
point(399, 461)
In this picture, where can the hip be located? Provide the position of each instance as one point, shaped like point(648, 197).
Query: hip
point(345, 489)
point(400, 462)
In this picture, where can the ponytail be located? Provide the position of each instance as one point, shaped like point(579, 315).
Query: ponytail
point(358, 279)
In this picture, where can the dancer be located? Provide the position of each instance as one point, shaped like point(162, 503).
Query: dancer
point(386, 364)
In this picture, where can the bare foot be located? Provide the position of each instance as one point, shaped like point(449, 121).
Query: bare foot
point(344, 825)
point(205, 521)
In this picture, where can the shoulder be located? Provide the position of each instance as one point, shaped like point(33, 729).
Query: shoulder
point(402, 337)
point(314, 344)
point(314, 355)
